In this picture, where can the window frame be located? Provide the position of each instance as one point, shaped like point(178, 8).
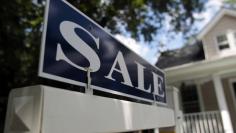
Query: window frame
point(185, 103)
point(222, 43)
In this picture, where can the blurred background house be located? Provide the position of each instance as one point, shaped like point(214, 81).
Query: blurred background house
point(205, 73)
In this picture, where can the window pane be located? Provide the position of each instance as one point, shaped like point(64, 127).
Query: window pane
point(221, 38)
point(225, 46)
point(222, 42)
point(189, 97)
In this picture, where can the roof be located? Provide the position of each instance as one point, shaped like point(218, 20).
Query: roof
point(214, 21)
point(187, 54)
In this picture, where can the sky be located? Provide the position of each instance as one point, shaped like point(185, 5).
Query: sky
point(150, 53)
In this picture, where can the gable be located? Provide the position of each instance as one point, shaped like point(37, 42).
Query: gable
point(225, 26)
point(215, 20)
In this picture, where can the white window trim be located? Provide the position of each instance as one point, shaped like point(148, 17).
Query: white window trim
point(231, 88)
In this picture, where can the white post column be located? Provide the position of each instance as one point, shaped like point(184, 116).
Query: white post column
point(156, 130)
point(173, 102)
point(227, 124)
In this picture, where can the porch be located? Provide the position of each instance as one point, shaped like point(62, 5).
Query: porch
point(195, 119)
point(207, 94)
point(208, 105)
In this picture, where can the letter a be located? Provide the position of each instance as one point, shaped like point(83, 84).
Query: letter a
point(123, 70)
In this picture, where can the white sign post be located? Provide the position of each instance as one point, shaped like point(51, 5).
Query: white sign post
point(43, 109)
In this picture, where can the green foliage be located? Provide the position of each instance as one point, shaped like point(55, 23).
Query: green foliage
point(142, 18)
point(20, 31)
point(230, 1)
point(20, 24)
point(230, 4)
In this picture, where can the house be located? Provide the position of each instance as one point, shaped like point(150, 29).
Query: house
point(205, 74)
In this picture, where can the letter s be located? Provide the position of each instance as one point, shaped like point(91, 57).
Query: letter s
point(67, 29)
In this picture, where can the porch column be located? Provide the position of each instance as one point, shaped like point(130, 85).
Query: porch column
point(220, 96)
point(172, 96)
point(156, 130)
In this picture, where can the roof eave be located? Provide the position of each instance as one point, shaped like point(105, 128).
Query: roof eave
point(199, 69)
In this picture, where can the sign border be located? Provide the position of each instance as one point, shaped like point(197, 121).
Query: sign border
point(78, 83)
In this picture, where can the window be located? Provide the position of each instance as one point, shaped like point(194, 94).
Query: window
point(222, 42)
point(190, 98)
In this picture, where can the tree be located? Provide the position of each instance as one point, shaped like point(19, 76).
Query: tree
point(141, 18)
point(230, 1)
point(21, 27)
point(20, 31)
point(230, 4)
